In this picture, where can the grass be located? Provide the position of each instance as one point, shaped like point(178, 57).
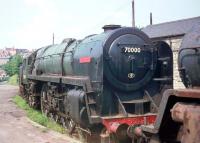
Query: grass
point(13, 80)
point(37, 116)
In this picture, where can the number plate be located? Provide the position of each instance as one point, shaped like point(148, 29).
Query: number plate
point(131, 50)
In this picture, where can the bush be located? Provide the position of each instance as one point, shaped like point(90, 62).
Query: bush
point(12, 67)
point(13, 80)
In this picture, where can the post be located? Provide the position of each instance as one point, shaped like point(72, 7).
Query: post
point(53, 39)
point(133, 14)
point(151, 19)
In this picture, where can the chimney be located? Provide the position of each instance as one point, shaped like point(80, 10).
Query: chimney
point(111, 27)
point(133, 13)
point(151, 19)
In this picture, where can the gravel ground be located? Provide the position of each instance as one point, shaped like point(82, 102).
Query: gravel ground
point(15, 127)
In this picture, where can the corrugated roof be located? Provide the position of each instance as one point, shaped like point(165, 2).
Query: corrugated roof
point(169, 29)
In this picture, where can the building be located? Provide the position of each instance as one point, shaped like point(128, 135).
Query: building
point(173, 33)
point(4, 60)
point(4, 56)
point(22, 51)
point(6, 53)
point(2, 74)
point(12, 51)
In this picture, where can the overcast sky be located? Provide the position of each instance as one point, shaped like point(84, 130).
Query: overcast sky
point(30, 23)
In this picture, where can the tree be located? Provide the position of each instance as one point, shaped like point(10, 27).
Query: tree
point(12, 67)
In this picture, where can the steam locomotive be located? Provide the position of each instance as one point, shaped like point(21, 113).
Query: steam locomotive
point(105, 87)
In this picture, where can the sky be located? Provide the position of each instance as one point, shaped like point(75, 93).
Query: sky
point(30, 24)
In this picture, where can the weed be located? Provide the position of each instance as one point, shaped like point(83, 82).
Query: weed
point(37, 116)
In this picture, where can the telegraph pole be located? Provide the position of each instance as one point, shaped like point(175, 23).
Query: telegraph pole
point(53, 39)
point(133, 13)
point(151, 19)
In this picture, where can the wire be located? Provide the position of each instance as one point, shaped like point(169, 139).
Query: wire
point(112, 15)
